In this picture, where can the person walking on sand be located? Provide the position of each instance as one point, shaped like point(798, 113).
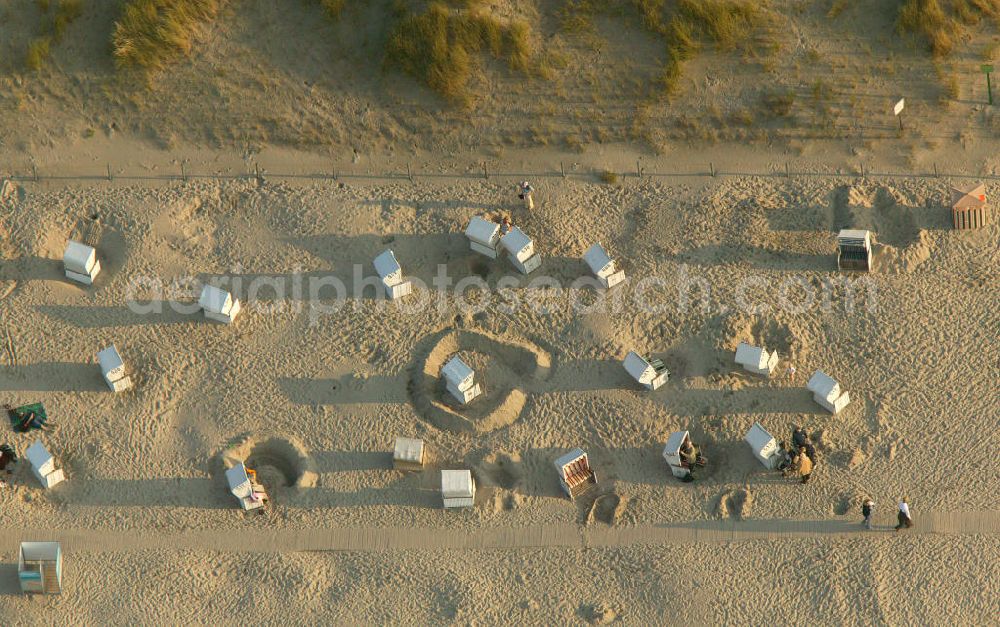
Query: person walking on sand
point(866, 510)
point(524, 192)
point(904, 515)
point(805, 465)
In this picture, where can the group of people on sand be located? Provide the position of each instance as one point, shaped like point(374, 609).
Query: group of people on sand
point(799, 459)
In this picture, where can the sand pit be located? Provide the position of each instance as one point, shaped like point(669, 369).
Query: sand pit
point(281, 464)
point(503, 367)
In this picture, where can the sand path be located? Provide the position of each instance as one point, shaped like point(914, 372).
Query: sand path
point(539, 536)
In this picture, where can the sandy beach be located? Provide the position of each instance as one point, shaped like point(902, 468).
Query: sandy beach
point(724, 260)
point(714, 149)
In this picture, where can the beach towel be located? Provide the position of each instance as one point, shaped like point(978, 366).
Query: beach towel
point(28, 417)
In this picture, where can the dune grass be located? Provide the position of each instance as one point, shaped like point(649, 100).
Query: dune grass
point(943, 22)
point(151, 33)
point(684, 25)
point(51, 31)
point(38, 52)
point(439, 45)
point(333, 7)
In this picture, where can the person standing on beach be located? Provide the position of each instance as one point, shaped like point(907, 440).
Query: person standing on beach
point(805, 465)
point(524, 191)
point(866, 510)
point(904, 515)
point(799, 437)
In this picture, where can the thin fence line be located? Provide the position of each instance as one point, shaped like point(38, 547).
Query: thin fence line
point(412, 175)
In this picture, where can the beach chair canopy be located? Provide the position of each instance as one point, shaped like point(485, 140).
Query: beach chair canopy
point(110, 361)
point(640, 369)
point(570, 457)
point(215, 299)
point(409, 450)
point(482, 231)
point(854, 237)
point(759, 439)
point(823, 385)
point(597, 258)
point(457, 484)
point(515, 241)
point(386, 265)
point(458, 373)
point(79, 257)
point(239, 481)
point(673, 446)
point(968, 198)
point(39, 456)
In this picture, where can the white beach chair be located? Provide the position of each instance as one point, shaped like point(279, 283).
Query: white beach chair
point(459, 379)
point(603, 266)
point(650, 375)
point(521, 251)
point(408, 454)
point(250, 495)
point(39, 567)
point(391, 274)
point(484, 236)
point(80, 263)
point(218, 304)
point(756, 360)
point(575, 473)
point(458, 488)
point(854, 250)
point(826, 391)
point(43, 466)
point(763, 445)
point(113, 369)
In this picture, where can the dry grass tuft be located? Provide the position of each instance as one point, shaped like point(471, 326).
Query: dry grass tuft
point(608, 177)
point(943, 22)
point(38, 53)
point(150, 33)
point(439, 45)
point(778, 104)
point(333, 7)
point(683, 25)
point(51, 31)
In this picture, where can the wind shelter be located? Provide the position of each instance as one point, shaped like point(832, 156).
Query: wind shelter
point(39, 567)
point(969, 209)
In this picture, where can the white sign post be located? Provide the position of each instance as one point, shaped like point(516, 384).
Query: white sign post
point(899, 109)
